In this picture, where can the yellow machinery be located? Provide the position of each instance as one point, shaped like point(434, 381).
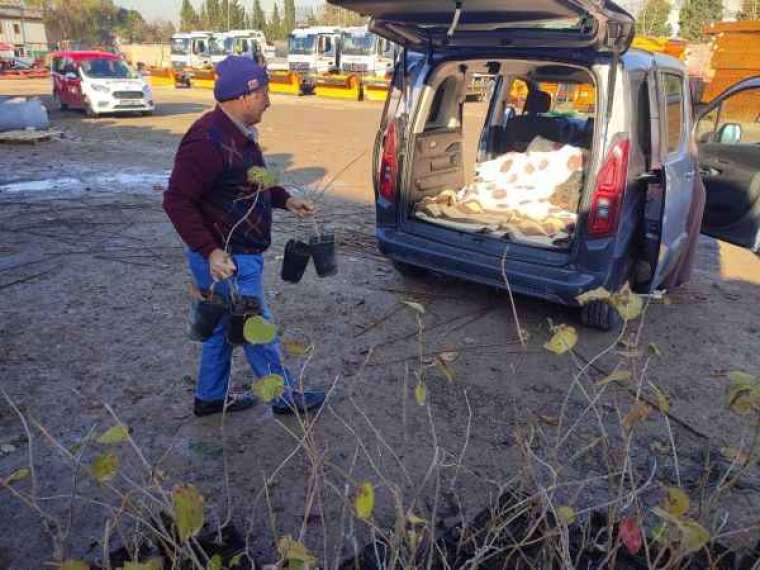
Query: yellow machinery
point(375, 88)
point(285, 82)
point(160, 76)
point(339, 87)
point(668, 46)
point(203, 78)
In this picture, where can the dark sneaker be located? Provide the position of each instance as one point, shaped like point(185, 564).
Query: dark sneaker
point(235, 403)
point(300, 402)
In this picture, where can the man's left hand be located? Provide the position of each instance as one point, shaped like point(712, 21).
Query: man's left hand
point(300, 207)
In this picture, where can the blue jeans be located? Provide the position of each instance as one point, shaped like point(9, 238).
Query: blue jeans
point(216, 353)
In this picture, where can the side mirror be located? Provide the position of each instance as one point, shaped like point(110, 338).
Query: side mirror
point(729, 133)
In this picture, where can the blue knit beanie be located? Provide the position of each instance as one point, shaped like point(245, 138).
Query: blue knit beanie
point(238, 76)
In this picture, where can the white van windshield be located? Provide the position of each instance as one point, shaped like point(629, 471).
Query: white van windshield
point(180, 46)
point(106, 69)
point(358, 44)
point(301, 45)
point(216, 46)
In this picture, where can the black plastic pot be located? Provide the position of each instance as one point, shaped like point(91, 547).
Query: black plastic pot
point(295, 260)
point(323, 252)
point(241, 309)
point(204, 318)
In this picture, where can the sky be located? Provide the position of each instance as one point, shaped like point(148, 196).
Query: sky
point(169, 9)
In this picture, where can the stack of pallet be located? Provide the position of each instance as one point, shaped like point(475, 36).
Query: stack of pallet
point(735, 56)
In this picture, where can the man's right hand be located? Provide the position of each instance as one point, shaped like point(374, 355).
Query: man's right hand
point(221, 265)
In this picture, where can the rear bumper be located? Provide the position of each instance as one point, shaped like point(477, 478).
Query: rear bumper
point(559, 284)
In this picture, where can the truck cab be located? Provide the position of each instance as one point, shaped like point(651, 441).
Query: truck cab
point(313, 51)
point(366, 53)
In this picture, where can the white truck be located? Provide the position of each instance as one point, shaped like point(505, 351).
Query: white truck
point(248, 43)
point(189, 51)
point(313, 51)
point(366, 53)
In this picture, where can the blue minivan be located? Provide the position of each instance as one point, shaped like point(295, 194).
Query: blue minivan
point(591, 168)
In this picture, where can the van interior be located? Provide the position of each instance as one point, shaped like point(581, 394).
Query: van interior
point(512, 167)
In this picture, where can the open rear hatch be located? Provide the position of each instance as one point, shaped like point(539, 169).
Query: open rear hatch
point(439, 24)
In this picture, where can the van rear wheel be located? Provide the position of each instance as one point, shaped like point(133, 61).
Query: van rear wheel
point(601, 316)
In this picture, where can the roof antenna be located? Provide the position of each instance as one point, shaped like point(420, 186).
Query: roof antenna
point(455, 21)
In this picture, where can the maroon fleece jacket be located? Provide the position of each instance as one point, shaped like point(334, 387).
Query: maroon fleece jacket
point(209, 195)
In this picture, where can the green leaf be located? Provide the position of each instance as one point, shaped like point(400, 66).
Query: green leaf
point(663, 403)
point(420, 393)
point(598, 294)
point(618, 375)
point(676, 502)
point(743, 393)
point(741, 377)
point(566, 514)
point(364, 503)
point(269, 387)
point(236, 560)
point(654, 349)
point(296, 554)
point(115, 434)
point(262, 177)
point(694, 536)
point(445, 369)
point(257, 330)
point(564, 339)
point(415, 306)
point(627, 303)
point(295, 348)
point(74, 565)
point(188, 511)
point(415, 520)
point(215, 563)
point(17, 475)
point(104, 467)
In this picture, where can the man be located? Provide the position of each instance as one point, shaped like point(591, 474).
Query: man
point(225, 221)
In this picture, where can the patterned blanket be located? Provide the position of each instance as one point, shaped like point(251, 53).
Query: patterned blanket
point(530, 194)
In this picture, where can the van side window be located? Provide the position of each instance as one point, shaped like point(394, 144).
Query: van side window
point(444, 110)
point(674, 119)
point(643, 125)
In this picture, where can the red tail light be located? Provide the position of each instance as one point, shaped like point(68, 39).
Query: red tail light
point(389, 163)
point(610, 189)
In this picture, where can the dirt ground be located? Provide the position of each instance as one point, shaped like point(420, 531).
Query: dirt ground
point(94, 304)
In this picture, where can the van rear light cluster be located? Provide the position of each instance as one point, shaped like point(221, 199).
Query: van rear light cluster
point(610, 189)
point(389, 163)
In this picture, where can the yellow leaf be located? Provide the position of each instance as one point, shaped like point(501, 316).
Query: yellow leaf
point(257, 330)
point(269, 387)
point(564, 339)
point(236, 560)
point(152, 564)
point(693, 536)
point(743, 393)
point(741, 377)
point(415, 306)
point(115, 434)
point(415, 520)
point(659, 533)
point(445, 369)
point(618, 375)
point(639, 412)
point(566, 514)
point(598, 294)
point(296, 554)
point(104, 467)
point(420, 393)
point(17, 475)
point(365, 501)
point(663, 404)
point(215, 563)
point(654, 349)
point(627, 303)
point(188, 511)
point(735, 455)
point(295, 348)
point(75, 565)
point(448, 356)
point(676, 502)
